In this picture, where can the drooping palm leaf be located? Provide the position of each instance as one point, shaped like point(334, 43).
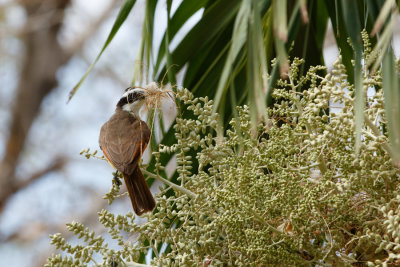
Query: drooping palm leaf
point(121, 17)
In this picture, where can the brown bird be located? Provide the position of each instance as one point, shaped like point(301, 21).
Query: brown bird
point(123, 139)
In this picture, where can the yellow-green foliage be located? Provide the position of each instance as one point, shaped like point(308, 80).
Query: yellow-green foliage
point(291, 193)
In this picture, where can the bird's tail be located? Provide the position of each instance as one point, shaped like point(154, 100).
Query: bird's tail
point(139, 192)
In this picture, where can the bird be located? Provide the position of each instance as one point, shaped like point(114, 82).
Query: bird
point(123, 139)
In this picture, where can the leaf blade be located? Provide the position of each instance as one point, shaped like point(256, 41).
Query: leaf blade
point(391, 90)
point(238, 40)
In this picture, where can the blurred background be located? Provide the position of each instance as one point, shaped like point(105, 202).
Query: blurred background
point(45, 48)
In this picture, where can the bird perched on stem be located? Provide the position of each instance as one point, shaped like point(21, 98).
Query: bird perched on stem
point(123, 139)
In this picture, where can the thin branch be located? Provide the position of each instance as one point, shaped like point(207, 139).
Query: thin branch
point(306, 168)
point(377, 132)
point(330, 238)
point(56, 165)
point(260, 219)
point(321, 164)
point(17, 186)
point(171, 184)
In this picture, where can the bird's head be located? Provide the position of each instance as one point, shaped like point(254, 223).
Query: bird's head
point(132, 100)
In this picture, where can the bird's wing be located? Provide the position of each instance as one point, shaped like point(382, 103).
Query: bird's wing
point(123, 142)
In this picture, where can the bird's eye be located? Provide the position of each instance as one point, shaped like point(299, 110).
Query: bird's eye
point(131, 98)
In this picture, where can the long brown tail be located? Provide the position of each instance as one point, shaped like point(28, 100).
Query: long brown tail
point(139, 193)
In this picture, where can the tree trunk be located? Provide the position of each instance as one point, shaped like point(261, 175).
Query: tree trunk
point(43, 56)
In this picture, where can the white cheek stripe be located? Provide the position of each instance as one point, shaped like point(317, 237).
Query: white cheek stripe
point(132, 90)
point(133, 107)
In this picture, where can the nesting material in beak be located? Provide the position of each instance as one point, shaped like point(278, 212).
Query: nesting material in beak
point(154, 95)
